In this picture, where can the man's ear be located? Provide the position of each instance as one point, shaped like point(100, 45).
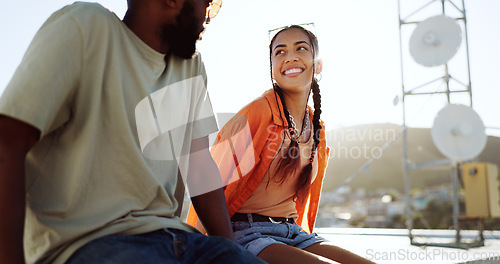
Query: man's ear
point(173, 3)
point(172, 7)
point(318, 67)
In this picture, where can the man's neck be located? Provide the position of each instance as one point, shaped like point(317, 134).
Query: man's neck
point(146, 29)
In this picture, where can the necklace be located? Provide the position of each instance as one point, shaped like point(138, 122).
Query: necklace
point(296, 136)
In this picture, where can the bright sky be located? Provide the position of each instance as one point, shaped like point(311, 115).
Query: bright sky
point(359, 44)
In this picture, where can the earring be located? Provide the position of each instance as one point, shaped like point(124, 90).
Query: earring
point(320, 77)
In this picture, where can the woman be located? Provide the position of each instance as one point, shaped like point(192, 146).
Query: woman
point(272, 155)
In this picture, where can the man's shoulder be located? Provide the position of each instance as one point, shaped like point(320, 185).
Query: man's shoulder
point(83, 13)
point(86, 7)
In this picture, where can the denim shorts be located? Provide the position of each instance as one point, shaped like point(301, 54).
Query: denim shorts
point(256, 236)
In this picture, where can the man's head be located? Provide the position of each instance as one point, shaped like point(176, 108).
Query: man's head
point(185, 32)
point(170, 26)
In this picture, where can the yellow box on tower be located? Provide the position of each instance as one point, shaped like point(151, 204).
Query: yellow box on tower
point(482, 190)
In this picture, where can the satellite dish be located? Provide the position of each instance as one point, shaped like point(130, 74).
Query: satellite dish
point(435, 41)
point(458, 133)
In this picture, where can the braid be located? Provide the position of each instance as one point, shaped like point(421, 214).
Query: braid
point(316, 117)
point(304, 180)
point(290, 161)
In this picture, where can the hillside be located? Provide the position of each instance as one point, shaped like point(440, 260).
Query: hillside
point(351, 147)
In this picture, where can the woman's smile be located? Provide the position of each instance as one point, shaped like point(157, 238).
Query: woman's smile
point(293, 72)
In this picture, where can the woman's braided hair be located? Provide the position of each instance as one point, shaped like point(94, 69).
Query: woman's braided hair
point(289, 163)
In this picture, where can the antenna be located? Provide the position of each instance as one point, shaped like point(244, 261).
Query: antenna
point(435, 41)
point(458, 133)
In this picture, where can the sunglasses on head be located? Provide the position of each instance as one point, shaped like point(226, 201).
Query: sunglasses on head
point(309, 26)
point(213, 9)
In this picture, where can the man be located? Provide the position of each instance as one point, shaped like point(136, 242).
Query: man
point(96, 125)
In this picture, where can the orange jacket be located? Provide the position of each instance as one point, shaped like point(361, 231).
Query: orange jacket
point(244, 149)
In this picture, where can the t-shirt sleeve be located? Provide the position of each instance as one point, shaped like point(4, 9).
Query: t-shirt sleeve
point(40, 91)
point(205, 122)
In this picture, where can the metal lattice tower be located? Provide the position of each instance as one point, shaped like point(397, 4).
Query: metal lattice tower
point(452, 85)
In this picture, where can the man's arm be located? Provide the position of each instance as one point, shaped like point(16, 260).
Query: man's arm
point(16, 139)
point(211, 205)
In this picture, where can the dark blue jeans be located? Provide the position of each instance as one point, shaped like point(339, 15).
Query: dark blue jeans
point(162, 246)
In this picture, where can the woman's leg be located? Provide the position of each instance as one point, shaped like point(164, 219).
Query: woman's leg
point(279, 253)
point(336, 253)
